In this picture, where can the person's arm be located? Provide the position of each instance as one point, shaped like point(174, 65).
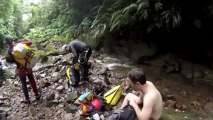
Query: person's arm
point(129, 97)
point(145, 113)
point(75, 55)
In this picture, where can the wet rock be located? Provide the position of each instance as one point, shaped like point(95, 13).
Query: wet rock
point(106, 113)
point(43, 75)
point(171, 97)
point(60, 81)
point(78, 117)
point(32, 111)
point(71, 97)
point(184, 93)
point(25, 114)
point(171, 103)
point(41, 115)
point(44, 83)
point(100, 57)
point(208, 106)
point(184, 107)
point(58, 113)
point(3, 116)
point(63, 70)
point(47, 112)
point(98, 82)
point(186, 70)
point(70, 109)
point(56, 75)
point(57, 59)
point(172, 63)
point(57, 97)
point(196, 105)
point(3, 98)
point(50, 96)
point(56, 69)
point(68, 116)
point(60, 88)
point(61, 106)
point(16, 83)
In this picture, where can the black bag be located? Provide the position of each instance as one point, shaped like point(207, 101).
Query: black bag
point(127, 113)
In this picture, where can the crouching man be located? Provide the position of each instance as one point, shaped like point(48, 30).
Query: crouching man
point(150, 98)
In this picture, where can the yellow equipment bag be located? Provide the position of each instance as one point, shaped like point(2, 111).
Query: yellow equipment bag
point(24, 55)
point(69, 76)
point(113, 95)
point(73, 76)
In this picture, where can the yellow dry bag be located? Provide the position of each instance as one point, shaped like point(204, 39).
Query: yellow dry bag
point(113, 95)
point(24, 55)
point(73, 76)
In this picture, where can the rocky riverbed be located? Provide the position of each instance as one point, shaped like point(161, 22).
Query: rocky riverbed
point(185, 97)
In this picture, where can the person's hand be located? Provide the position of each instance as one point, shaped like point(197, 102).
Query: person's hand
point(77, 66)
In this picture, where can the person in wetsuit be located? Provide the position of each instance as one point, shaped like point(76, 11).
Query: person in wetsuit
point(81, 54)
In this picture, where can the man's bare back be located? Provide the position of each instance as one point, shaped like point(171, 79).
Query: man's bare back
point(156, 98)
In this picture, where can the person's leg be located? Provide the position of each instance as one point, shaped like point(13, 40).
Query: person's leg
point(24, 87)
point(33, 85)
point(88, 54)
point(75, 76)
point(128, 97)
point(86, 64)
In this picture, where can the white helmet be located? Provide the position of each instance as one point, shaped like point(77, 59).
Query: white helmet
point(64, 48)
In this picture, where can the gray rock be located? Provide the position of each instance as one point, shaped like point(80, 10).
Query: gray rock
point(16, 83)
point(57, 97)
point(68, 116)
point(208, 106)
point(50, 96)
point(60, 88)
point(186, 70)
point(56, 69)
point(60, 81)
point(43, 75)
point(44, 83)
point(3, 116)
point(56, 75)
point(63, 71)
point(71, 97)
point(70, 109)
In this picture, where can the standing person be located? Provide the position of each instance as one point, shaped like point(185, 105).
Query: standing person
point(150, 98)
point(81, 52)
point(21, 70)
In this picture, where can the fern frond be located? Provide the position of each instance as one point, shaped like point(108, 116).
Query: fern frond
point(142, 6)
point(158, 6)
point(130, 9)
point(115, 15)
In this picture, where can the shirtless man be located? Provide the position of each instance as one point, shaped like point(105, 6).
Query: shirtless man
point(149, 96)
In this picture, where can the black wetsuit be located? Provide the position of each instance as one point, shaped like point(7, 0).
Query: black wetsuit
point(81, 51)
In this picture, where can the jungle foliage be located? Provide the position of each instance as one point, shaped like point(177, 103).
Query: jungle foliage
point(95, 20)
point(10, 19)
